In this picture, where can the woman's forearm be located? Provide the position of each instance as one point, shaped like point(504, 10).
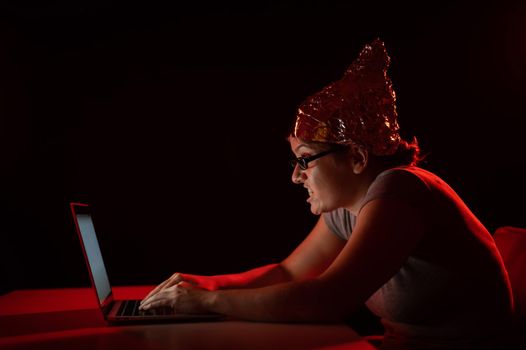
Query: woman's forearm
point(298, 301)
point(258, 277)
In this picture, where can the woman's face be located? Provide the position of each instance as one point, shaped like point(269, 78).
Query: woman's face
point(328, 179)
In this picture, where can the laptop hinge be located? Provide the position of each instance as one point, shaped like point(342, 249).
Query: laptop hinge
point(106, 305)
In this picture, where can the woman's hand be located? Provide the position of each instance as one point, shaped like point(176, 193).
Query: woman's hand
point(182, 297)
point(203, 282)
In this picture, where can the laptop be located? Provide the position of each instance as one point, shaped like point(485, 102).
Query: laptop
point(117, 311)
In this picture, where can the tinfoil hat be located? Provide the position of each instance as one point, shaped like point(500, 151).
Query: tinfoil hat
point(359, 108)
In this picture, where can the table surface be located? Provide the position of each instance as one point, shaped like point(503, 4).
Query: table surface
point(70, 318)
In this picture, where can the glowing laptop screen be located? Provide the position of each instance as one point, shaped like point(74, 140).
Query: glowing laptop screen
point(93, 253)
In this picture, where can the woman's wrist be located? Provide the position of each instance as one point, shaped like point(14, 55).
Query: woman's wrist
point(216, 282)
point(211, 301)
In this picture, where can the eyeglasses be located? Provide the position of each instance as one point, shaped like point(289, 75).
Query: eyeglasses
point(303, 162)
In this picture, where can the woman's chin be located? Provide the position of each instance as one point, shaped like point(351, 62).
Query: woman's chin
point(315, 209)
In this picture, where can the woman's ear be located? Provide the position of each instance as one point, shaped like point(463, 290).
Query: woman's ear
point(359, 158)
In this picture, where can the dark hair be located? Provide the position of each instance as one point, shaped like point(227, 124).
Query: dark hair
point(407, 153)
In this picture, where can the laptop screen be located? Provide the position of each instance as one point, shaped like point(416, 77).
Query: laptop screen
point(94, 256)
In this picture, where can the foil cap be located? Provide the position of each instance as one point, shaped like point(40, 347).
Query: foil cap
point(358, 108)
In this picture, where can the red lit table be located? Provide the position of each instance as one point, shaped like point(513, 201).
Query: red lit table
point(69, 319)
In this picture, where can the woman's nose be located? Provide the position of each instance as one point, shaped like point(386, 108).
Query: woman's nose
point(297, 175)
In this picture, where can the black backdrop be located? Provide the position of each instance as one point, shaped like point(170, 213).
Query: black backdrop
point(171, 121)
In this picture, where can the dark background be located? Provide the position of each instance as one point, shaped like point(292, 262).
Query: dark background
point(171, 121)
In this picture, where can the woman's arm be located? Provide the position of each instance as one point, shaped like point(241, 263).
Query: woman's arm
point(385, 234)
point(254, 278)
point(308, 260)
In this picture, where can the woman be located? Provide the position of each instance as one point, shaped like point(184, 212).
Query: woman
point(390, 234)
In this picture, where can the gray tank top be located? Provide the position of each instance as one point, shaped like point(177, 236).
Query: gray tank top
point(454, 286)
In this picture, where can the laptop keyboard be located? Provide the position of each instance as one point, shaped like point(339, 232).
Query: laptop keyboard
point(131, 308)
